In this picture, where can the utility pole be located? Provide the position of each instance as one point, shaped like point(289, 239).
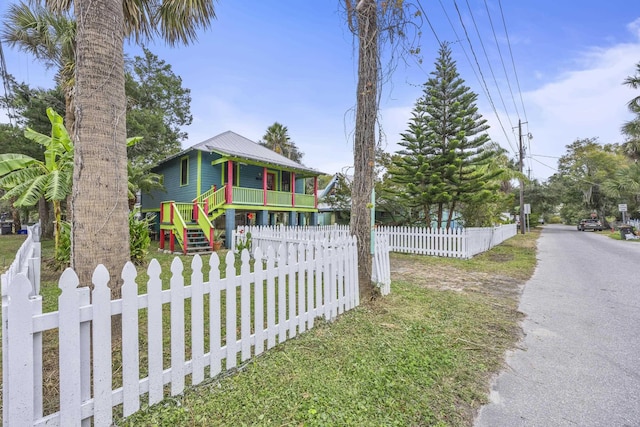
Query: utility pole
point(521, 179)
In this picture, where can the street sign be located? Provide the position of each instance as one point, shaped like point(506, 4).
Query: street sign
point(527, 209)
point(622, 207)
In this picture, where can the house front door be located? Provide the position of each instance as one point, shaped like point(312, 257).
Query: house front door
point(271, 181)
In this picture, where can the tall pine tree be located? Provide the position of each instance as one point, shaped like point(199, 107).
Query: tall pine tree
point(444, 147)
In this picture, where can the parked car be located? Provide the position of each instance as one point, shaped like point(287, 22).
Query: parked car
point(590, 224)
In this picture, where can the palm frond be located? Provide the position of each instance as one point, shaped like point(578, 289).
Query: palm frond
point(179, 20)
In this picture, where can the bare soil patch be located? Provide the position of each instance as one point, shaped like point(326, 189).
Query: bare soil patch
point(448, 277)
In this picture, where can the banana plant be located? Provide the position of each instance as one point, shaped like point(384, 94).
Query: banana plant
point(28, 180)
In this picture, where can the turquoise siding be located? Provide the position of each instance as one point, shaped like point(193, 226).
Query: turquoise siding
point(174, 191)
point(248, 175)
point(211, 174)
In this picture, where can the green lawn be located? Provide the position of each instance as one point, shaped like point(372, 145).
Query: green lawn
point(420, 356)
point(9, 245)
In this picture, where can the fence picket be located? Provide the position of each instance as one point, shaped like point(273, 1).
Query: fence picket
point(292, 264)
point(258, 306)
point(230, 301)
point(245, 305)
point(197, 321)
point(215, 325)
point(69, 344)
point(282, 292)
point(271, 298)
point(154, 332)
point(101, 298)
point(310, 268)
point(301, 284)
point(177, 327)
point(130, 342)
point(20, 378)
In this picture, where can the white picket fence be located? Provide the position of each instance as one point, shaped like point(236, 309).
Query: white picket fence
point(27, 261)
point(317, 280)
point(482, 239)
point(290, 237)
point(454, 242)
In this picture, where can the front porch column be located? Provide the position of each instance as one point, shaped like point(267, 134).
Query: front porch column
point(229, 226)
point(314, 219)
point(302, 219)
point(293, 219)
point(229, 187)
point(263, 217)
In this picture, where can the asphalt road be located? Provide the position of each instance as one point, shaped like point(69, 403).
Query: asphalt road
point(579, 362)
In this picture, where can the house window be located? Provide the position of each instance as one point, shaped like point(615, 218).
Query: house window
point(184, 171)
point(271, 181)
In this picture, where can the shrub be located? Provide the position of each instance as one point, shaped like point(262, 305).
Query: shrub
point(139, 239)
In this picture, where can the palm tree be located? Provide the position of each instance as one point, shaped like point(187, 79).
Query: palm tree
point(100, 186)
point(50, 38)
point(28, 180)
point(277, 139)
point(141, 179)
point(634, 82)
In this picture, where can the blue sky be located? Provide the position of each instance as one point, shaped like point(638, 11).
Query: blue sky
point(295, 62)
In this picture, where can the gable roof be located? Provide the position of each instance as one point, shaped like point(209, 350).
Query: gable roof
point(233, 145)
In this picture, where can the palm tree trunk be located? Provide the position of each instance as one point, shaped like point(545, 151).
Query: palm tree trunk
point(365, 141)
point(100, 232)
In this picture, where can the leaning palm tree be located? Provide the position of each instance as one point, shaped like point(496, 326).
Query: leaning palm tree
point(27, 180)
point(99, 198)
point(50, 38)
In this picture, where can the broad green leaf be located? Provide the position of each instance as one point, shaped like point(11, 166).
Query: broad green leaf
point(11, 162)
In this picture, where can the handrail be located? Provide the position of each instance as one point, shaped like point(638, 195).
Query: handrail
point(180, 225)
point(185, 209)
point(214, 198)
point(204, 224)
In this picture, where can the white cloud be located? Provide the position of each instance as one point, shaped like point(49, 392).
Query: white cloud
point(584, 103)
point(634, 28)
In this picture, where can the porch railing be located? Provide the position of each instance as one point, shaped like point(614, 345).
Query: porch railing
point(278, 198)
point(305, 200)
point(248, 196)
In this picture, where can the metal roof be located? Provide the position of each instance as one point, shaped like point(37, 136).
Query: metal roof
point(231, 144)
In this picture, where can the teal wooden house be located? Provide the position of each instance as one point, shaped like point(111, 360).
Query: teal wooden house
point(226, 181)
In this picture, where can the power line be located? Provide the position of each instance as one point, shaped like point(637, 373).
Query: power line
point(504, 68)
point(515, 72)
point(484, 50)
point(429, 22)
point(542, 155)
point(455, 3)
